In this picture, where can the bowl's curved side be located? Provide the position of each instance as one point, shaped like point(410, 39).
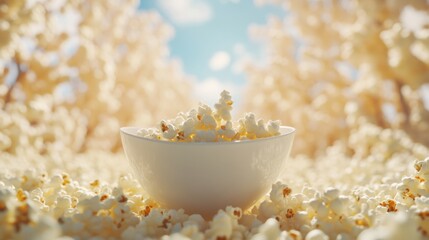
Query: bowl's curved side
point(203, 178)
point(129, 130)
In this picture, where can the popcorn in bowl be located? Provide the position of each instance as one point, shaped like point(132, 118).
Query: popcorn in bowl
point(202, 161)
point(207, 125)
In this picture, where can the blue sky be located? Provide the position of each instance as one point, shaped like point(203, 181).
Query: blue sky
point(211, 39)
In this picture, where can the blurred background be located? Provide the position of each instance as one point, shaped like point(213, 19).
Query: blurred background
point(349, 75)
point(352, 76)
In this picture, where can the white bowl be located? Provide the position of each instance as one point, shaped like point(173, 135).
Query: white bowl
point(204, 177)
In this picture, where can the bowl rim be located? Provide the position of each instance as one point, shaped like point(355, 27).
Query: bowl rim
point(124, 131)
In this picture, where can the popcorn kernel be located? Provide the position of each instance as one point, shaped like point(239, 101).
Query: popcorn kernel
point(287, 191)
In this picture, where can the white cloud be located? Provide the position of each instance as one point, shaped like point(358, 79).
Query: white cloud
point(208, 90)
point(239, 49)
point(219, 61)
point(185, 12)
point(242, 57)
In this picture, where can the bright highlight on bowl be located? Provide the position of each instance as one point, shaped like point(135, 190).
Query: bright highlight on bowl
point(202, 161)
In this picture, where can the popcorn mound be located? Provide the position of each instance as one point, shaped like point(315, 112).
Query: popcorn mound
point(382, 196)
point(206, 125)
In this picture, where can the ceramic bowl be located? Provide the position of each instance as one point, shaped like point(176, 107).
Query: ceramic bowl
point(203, 177)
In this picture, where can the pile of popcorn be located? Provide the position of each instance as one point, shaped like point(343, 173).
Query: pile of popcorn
point(380, 191)
point(335, 197)
point(206, 125)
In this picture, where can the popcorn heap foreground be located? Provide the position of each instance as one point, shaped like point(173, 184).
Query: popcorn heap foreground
point(385, 196)
point(356, 172)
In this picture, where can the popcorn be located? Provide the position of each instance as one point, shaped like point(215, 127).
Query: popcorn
point(331, 193)
point(296, 210)
point(206, 125)
point(205, 136)
point(192, 232)
point(339, 205)
point(316, 234)
point(169, 131)
point(273, 127)
point(209, 122)
point(249, 122)
point(353, 175)
point(221, 225)
point(151, 133)
point(227, 132)
point(204, 109)
point(224, 107)
point(268, 230)
point(399, 226)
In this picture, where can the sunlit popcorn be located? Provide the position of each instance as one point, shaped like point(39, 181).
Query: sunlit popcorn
point(316, 234)
point(209, 122)
point(268, 230)
point(193, 232)
point(224, 107)
point(168, 130)
point(357, 179)
point(399, 226)
point(291, 211)
point(205, 136)
point(273, 127)
point(151, 133)
point(222, 225)
point(206, 125)
point(227, 132)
